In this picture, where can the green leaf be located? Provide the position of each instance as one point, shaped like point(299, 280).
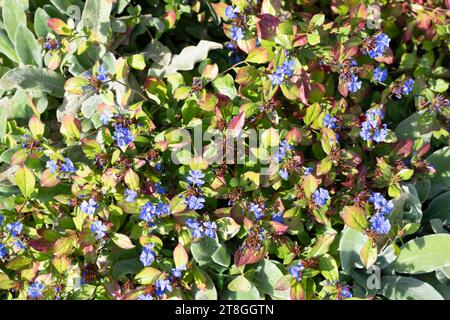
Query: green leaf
point(310, 184)
point(25, 180)
point(227, 228)
point(95, 17)
point(41, 27)
point(354, 217)
point(313, 38)
point(180, 256)
point(126, 267)
point(368, 254)
point(317, 20)
point(350, 246)
point(208, 292)
point(18, 263)
point(203, 250)
point(240, 283)
point(438, 85)
point(439, 208)
point(267, 277)
point(424, 254)
point(407, 61)
point(323, 244)
point(31, 77)
point(259, 55)
point(27, 48)
point(13, 17)
point(137, 61)
point(407, 288)
point(221, 256)
point(122, 241)
point(148, 275)
point(225, 85)
point(441, 178)
point(7, 47)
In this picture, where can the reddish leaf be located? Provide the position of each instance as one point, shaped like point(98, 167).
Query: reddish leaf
point(248, 256)
point(266, 27)
point(40, 244)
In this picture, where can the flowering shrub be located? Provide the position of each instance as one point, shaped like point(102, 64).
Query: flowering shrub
point(224, 150)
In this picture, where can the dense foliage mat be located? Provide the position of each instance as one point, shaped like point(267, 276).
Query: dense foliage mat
point(187, 149)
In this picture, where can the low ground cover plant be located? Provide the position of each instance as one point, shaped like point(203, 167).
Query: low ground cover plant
point(185, 149)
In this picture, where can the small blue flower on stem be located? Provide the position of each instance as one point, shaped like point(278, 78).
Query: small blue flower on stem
point(230, 12)
point(354, 84)
point(380, 224)
point(160, 189)
point(130, 195)
point(321, 197)
point(162, 286)
point(377, 45)
point(288, 68)
point(106, 116)
point(296, 271)
point(68, 166)
point(35, 290)
point(278, 217)
point(257, 210)
point(380, 134)
point(102, 74)
point(283, 174)
point(345, 293)
point(277, 77)
point(89, 207)
point(379, 74)
point(51, 165)
point(197, 229)
point(177, 272)
point(1, 219)
point(407, 86)
point(147, 296)
point(329, 121)
point(98, 229)
point(3, 251)
point(14, 228)
point(308, 171)
point(148, 255)
point(195, 203)
point(237, 33)
point(210, 229)
point(195, 177)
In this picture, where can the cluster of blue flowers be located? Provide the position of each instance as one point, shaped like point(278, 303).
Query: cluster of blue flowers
point(285, 71)
point(282, 155)
point(377, 45)
point(89, 207)
point(123, 136)
point(14, 229)
point(207, 228)
point(257, 210)
point(152, 213)
point(162, 286)
point(66, 167)
point(195, 178)
point(35, 290)
point(100, 77)
point(177, 272)
point(296, 271)
point(379, 223)
point(130, 195)
point(321, 197)
point(348, 74)
point(344, 292)
point(237, 33)
point(51, 44)
point(373, 128)
point(147, 255)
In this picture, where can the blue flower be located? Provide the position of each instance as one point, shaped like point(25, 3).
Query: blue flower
point(354, 84)
point(162, 286)
point(151, 212)
point(102, 74)
point(147, 296)
point(176, 272)
point(195, 203)
point(52, 166)
point(283, 174)
point(379, 74)
point(130, 195)
point(277, 77)
point(321, 197)
point(160, 189)
point(237, 33)
point(380, 224)
point(35, 290)
point(195, 177)
point(1, 219)
point(68, 166)
point(51, 44)
point(98, 229)
point(407, 86)
point(345, 293)
point(18, 245)
point(308, 171)
point(210, 229)
point(278, 217)
point(106, 116)
point(14, 228)
point(257, 210)
point(380, 203)
point(3, 251)
point(284, 148)
point(147, 255)
point(123, 136)
point(380, 134)
point(329, 121)
point(296, 271)
point(378, 45)
point(288, 68)
point(197, 229)
point(230, 12)
point(89, 207)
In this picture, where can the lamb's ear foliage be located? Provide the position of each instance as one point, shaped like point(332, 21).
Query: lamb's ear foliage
point(339, 132)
